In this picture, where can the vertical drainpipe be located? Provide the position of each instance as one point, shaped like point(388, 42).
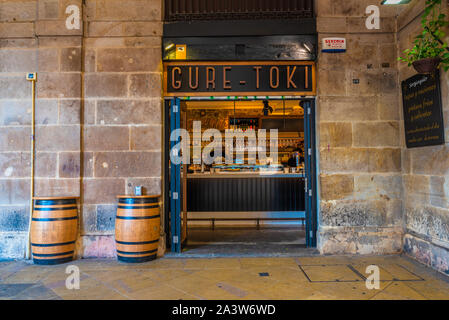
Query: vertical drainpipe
point(81, 124)
point(33, 129)
point(32, 158)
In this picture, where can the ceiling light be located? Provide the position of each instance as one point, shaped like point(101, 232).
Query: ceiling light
point(170, 46)
point(309, 49)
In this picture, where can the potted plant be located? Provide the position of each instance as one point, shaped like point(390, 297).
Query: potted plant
point(429, 51)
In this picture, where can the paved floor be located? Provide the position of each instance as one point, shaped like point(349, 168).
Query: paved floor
point(317, 277)
point(247, 242)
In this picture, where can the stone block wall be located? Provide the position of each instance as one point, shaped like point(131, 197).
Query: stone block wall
point(123, 115)
point(32, 40)
point(359, 133)
point(425, 170)
point(99, 125)
point(98, 111)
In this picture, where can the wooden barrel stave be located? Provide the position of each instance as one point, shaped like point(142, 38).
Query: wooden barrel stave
point(54, 230)
point(137, 228)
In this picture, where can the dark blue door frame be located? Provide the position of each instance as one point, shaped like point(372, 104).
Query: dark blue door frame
point(175, 179)
point(310, 166)
point(173, 174)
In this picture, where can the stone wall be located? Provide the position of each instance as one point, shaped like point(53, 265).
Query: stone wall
point(98, 111)
point(99, 125)
point(123, 119)
point(33, 39)
point(425, 170)
point(359, 133)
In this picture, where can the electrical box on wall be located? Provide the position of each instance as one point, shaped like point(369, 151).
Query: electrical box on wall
point(31, 76)
point(334, 45)
point(181, 52)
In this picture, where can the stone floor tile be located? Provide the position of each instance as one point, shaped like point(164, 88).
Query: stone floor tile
point(218, 263)
point(162, 292)
point(28, 275)
point(389, 272)
point(330, 273)
point(37, 292)
point(10, 290)
point(90, 289)
point(223, 274)
point(163, 275)
point(317, 277)
point(251, 262)
point(431, 289)
point(283, 274)
point(398, 291)
point(198, 286)
point(346, 290)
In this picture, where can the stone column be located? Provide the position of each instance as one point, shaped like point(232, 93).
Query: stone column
point(123, 118)
point(359, 133)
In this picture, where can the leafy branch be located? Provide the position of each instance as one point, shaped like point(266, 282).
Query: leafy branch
point(428, 44)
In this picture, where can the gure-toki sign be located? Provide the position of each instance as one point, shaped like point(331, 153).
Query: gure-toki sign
point(294, 78)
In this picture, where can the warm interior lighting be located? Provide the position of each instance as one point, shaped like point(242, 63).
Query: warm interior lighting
point(308, 48)
point(291, 106)
point(390, 2)
point(170, 46)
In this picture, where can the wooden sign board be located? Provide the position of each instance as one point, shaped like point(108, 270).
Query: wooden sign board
point(293, 78)
point(423, 114)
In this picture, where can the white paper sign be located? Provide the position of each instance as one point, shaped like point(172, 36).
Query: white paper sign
point(334, 45)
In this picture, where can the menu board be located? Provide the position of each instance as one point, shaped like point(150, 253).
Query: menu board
point(423, 114)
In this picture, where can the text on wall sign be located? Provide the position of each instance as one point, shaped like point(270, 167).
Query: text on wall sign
point(239, 78)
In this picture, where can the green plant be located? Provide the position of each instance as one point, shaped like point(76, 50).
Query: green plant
point(428, 44)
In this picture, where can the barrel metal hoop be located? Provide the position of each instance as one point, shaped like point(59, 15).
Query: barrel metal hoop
point(56, 209)
point(137, 259)
point(138, 252)
point(134, 208)
point(138, 200)
point(55, 219)
point(52, 261)
point(138, 218)
point(43, 245)
point(137, 243)
point(53, 254)
point(54, 202)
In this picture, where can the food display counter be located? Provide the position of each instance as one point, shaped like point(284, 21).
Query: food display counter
point(275, 183)
point(245, 192)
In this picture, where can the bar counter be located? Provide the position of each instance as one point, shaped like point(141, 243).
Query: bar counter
point(243, 175)
point(245, 191)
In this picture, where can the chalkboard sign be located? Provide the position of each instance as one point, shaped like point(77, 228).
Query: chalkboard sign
point(423, 114)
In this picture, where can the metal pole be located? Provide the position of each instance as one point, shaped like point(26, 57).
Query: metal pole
point(32, 158)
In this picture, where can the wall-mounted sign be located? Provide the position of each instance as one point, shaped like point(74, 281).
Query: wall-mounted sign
point(423, 114)
point(334, 45)
point(181, 52)
point(295, 78)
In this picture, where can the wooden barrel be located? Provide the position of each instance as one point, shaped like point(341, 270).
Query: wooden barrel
point(137, 228)
point(54, 228)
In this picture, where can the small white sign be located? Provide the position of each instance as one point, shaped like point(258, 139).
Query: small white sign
point(334, 45)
